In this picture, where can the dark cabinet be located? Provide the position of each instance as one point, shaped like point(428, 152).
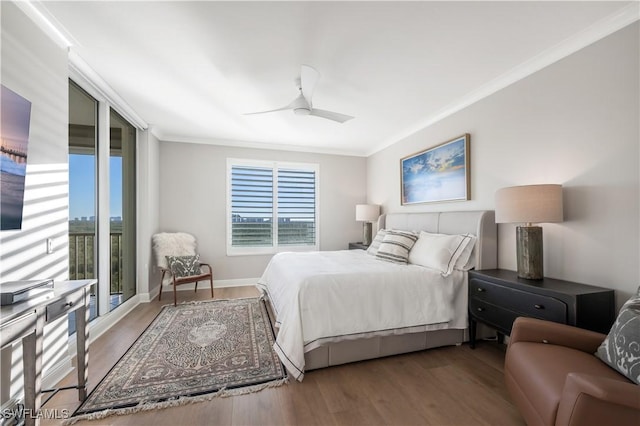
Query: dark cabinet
point(355, 246)
point(497, 297)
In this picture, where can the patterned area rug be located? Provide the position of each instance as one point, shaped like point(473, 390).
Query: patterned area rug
point(191, 352)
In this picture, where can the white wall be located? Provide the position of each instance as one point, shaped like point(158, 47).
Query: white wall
point(193, 199)
point(36, 68)
point(576, 123)
point(148, 209)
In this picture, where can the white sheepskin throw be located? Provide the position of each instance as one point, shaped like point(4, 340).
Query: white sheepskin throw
point(172, 244)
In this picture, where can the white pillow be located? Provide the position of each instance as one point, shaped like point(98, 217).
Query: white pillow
point(396, 245)
point(469, 254)
point(442, 252)
point(375, 244)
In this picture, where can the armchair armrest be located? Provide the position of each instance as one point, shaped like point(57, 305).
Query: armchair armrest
point(587, 398)
point(541, 331)
point(206, 265)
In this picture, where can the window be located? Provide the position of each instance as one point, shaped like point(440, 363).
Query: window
point(271, 207)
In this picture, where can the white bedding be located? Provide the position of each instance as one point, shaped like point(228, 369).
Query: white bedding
point(319, 295)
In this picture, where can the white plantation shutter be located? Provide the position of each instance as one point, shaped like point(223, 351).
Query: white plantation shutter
point(296, 207)
point(251, 206)
point(271, 205)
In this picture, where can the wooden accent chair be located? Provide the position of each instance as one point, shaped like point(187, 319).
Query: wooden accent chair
point(179, 262)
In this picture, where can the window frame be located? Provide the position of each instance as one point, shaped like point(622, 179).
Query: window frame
point(274, 165)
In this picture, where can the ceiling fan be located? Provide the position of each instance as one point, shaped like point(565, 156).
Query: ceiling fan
point(302, 104)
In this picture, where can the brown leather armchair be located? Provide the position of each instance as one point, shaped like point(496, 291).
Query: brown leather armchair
point(554, 378)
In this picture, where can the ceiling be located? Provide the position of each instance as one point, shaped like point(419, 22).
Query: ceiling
point(191, 70)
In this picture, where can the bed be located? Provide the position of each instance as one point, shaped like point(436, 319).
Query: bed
point(332, 308)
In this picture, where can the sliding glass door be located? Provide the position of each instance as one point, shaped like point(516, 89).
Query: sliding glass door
point(83, 140)
point(101, 144)
point(122, 208)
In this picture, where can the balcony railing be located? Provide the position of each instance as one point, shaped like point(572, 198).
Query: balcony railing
point(82, 258)
point(259, 233)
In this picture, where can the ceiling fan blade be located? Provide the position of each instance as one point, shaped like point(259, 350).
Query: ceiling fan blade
point(298, 103)
point(335, 116)
point(308, 79)
point(290, 106)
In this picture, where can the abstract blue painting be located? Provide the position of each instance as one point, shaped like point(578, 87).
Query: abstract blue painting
point(437, 174)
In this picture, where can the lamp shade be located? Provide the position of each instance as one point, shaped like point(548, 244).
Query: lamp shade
point(367, 212)
point(529, 204)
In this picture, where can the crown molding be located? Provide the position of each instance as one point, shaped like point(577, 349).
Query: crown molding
point(156, 132)
point(231, 143)
point(79, 70)
point(90, 80)
point(43, 19)
point(597, 31)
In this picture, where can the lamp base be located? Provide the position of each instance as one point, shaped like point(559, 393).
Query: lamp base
point(366, 233)
point(529, 252)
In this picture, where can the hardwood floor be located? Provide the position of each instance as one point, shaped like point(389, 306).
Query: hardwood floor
point(443, 386)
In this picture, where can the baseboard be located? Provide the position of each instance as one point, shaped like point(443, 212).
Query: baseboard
point(240, 282)
point(103, 323)
point(57, 372)
point(148, 297)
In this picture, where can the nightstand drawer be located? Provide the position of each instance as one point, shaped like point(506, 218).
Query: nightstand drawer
point(525, 303)
point(500, 318)
point(67, 304)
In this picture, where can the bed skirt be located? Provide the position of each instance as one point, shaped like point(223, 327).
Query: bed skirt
point(371, 345)
point(380, 346)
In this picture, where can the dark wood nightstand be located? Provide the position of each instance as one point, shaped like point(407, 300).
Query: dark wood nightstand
point(497, 297)
point(355, 246)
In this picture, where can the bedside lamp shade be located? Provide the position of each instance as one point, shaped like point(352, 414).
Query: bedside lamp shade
point(529, 204)
point(367, 213)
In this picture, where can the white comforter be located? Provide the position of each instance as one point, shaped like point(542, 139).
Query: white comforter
point(319, 295)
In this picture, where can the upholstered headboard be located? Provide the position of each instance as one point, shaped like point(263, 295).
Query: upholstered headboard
point(482, 224)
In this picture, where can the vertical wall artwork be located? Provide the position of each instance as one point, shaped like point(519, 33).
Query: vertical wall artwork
point(15, 112)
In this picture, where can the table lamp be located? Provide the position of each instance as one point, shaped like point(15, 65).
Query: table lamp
point(367, 213)
point(529, 204)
